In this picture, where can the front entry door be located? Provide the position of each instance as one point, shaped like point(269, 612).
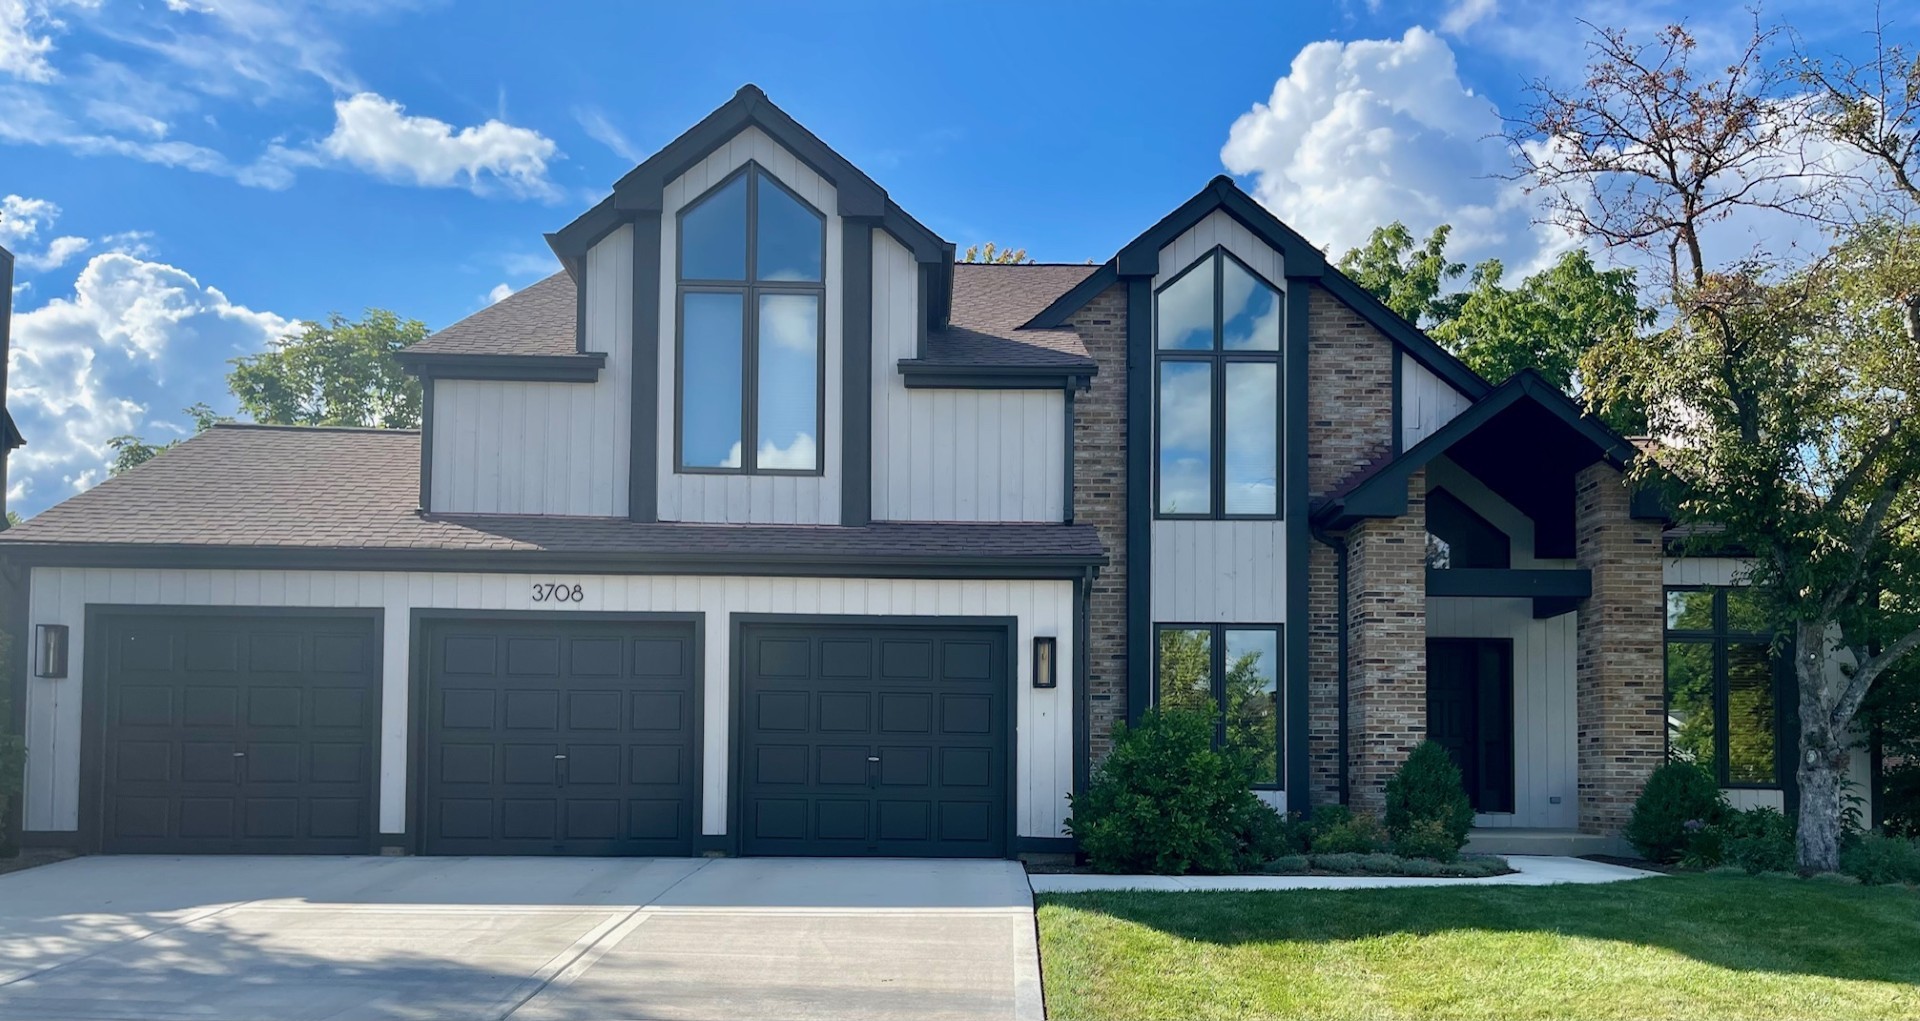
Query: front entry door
point(1470, 713)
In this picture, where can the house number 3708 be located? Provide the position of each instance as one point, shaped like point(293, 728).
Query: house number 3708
point(557, 592)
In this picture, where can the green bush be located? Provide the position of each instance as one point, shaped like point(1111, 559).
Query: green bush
point(1267, 834)
point(1288, 865)
point(1427, 838)
point(1166, 802)
point(1876, 858)
point(1758, 840)
point(1427, 789)
point(1338, 830)
point(1676, 795)
point(1900, 799)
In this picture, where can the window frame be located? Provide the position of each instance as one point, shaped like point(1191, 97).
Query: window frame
point(1721, 638)
point(1217, 358)
point(750, 289)
point(1217, 681)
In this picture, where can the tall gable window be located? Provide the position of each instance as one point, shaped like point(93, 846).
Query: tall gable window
point(1217, 430)
point(752, 297)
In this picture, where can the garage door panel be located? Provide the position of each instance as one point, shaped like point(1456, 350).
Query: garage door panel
point(560, 737)
point(222, 733)
point(887, 745)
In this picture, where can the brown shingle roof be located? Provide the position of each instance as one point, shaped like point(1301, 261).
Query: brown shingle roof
point(989, 304)
point(308, 490)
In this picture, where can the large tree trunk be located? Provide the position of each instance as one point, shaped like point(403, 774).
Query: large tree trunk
point(1824, 756)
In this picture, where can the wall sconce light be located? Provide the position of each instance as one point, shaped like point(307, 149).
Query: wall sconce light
point(1045, 672)
point(50, 648)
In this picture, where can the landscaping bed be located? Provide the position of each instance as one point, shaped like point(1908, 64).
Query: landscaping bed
point(1467, 866)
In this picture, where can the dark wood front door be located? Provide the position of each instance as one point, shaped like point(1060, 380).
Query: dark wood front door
point(1470, 713)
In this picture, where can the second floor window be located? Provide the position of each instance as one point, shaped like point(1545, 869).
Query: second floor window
point(1217, 417)
point(751, 300)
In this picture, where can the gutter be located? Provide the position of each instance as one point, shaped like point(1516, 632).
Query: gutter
point(1340, 600)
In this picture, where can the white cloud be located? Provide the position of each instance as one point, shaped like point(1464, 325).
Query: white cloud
point(25, 39)
point(58, 251)
point(1465, 14)
point(377, 135)
point(1363, 133)
point(22, 220)
point(135, 341)
point(598, 127)
point(499, 293)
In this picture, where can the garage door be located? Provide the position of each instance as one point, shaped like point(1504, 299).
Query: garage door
point(560, 737)
point(864, 740)
point(238, 734)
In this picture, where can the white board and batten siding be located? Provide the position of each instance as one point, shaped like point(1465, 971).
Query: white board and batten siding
point(1042, 738)
point(509, 447)
point(1427, 402)
point(1220, 572)
point(749, 499)
point(1546, 751)
point(954, 455)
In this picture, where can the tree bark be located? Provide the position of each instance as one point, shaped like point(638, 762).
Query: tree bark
point(1824, 755)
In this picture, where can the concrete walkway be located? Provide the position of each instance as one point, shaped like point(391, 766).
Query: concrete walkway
point(534, 939)
point(1528, 871)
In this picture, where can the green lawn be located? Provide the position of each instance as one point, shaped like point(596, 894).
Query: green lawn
point(1710, 947)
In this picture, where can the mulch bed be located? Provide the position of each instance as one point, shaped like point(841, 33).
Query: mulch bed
point(32, 856)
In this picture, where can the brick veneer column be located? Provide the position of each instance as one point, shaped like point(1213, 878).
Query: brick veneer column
point(1387, 645)
point(1100, 500)
point(1619, 673)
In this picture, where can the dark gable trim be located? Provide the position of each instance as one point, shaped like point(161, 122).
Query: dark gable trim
point(856, 377)
point(1384, 494)
point(572, 242)
point(920, 375)
point(426, 445)
point(1140, 377)
point(1059, 315)
point(825, 565)
point(1298, 779)
point(643, 407)
point(575, 368)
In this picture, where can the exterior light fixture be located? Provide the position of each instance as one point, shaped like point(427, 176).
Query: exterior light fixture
point(1045, 671)
point(50, 648)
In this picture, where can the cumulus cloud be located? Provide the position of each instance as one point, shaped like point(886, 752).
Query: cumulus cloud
point(23, 219)
point(376, 134)
point(134, 342)
point(1363, 133)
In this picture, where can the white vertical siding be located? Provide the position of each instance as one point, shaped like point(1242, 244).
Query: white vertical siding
point(1546, 754)
point(1219, 572)
point(1043, 737)
point(1221, 230)
point(771, 499)
point(1427, 402)
point(1704, 571)
point(509, 447)
point(954, 455)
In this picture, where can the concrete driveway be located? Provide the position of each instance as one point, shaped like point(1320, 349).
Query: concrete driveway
point(267, 939)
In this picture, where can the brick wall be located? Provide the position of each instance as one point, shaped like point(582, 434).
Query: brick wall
point(1386, 645)
point(1100, 500)
point(1619, 667)
point(1349, 426)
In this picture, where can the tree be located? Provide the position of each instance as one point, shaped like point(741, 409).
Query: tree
point(1785, 396)
point(1407, 278)
point(994, 256)
point(130, 452)
point(335, 373)
point(1251, 715)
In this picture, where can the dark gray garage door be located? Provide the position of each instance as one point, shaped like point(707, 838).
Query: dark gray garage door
point(238, 734)
point(866, 740)
point(561, 737)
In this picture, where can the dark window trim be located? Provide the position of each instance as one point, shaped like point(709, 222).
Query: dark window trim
point(1217, 678)
point(574, 368)
point(750, 289)
point(1217, 358)
point(1721, 639)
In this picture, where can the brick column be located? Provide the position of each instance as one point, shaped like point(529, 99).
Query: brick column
point(1100, 500)
point(1619, 673)
point(1386, 646)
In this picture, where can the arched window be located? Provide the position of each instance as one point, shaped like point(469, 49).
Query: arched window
point(751, 311)
point(1217, 422)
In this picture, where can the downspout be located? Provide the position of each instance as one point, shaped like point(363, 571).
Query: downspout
point(1082, 663)
point(1339, 549)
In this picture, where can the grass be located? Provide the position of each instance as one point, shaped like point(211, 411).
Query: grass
point(1709, 947)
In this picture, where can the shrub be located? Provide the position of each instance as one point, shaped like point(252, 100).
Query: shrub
point(1676, 794)
point(1877, 858)
point(1900, 799)
point(1427, 789)
point(1287, 865)
point(1758, 840)
point(1166, 802)
point(1342, 863)
point(1337, 830)
point(1427, 838)
point(1266, 834)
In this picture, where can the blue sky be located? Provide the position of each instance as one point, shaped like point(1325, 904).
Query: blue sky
point(182, 179)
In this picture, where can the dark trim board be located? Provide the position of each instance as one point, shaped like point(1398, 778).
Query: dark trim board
point(92, 778)
point(1299, 782)
point(426, 445)
point(643, 416)
point(413, 838)
point(574, 368)
point(856, 371)
point(922, 375)
point(1140, 387)
point(737, 625)
point(1562, 583)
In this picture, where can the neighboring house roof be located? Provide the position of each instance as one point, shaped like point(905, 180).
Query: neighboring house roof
point(282, 496)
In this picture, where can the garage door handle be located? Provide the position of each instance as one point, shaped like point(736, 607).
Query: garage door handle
point(239, 755)
point(873, 758)
point(559, 756)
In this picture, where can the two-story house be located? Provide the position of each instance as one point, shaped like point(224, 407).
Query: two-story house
point(764, 527)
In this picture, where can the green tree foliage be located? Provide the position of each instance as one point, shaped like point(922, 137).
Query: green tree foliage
point(993, 255)
point(130, 452)
point(340, 372)
point(1406, 275)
